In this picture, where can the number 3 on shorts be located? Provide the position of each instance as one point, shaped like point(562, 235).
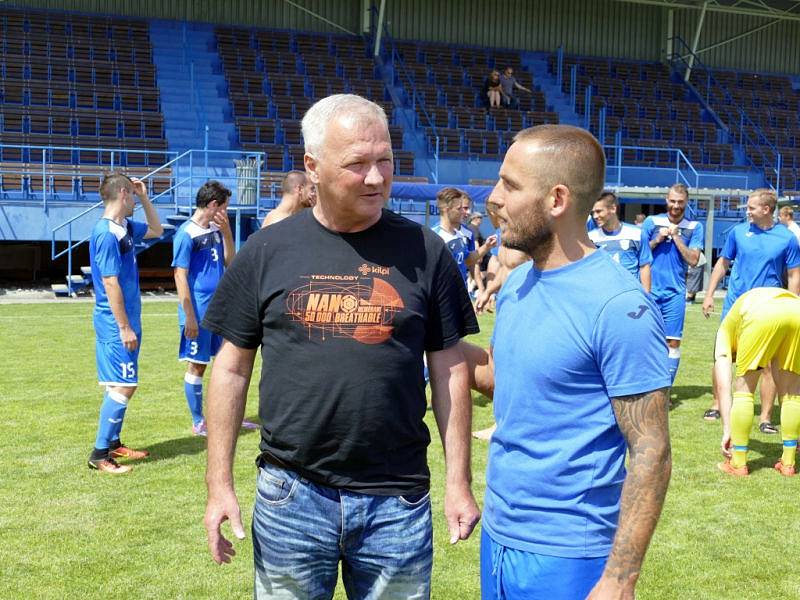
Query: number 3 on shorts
point(193, 348)
point(128, 370)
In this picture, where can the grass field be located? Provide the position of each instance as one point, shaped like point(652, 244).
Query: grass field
point(67, 532)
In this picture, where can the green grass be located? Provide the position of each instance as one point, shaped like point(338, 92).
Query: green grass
point(67, 532)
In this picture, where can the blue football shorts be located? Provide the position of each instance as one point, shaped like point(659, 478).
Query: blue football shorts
point(200, 349)
point(117, 366)
point(510, 574)
point(673, 311)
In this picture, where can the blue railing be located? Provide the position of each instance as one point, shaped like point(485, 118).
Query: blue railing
point(734, 120)
point(40, 162)
point(186, 172)
point(400, 71)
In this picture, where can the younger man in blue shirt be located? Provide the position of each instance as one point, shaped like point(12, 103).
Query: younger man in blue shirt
point(117, 311)
point(760, 251)
point(622, 240)
point(580, 375)
point(675, 242)
point(202, 248)
point(454, 206)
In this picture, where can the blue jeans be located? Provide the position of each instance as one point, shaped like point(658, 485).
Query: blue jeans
point(301, 530)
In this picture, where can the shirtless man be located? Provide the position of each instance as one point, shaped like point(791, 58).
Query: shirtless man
point(297, 193)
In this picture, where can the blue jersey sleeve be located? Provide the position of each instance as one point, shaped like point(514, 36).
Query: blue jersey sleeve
point(139, 231)
point(793, 254)
point(181, 250)
point(729, 249)
point(698, 238)
point(647, 230)
point(645, 253)
point(630, 345)
point(107, 256)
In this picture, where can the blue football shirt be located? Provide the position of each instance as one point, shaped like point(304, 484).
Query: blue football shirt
point(460, 243)
point(199, 250)
point(563, 346)
point(668, 267)
point(624, 245)
point(112, 254)
point(759, 256)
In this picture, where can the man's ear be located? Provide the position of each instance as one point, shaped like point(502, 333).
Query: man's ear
point(560, 199)
point(311, 164)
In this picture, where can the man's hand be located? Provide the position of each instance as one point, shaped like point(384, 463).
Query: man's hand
point(708, 305)
point(609, 589)
point(139, 187)
point(221, 507)
point(725, 445)
point(673, 229)
point(491, 242)
point(128, 337)
point(663, 233)
point(482, 300)
point(461, 512)
point(222, 221)
point(190, 328)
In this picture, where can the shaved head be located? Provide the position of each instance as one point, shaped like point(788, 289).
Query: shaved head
point(568, 156)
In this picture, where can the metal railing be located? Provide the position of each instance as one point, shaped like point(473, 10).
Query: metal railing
point(187, 172)
point(730, 115)
point(403, 76)
point(40, 162)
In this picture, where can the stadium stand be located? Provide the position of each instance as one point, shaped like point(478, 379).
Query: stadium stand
point(443, 85)
point(649, 108)
point(274, 76)
point(72, 84)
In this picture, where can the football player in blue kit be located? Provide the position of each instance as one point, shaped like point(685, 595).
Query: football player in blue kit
point(675, 242)
point(117, 312)
point(759, 253)
point(622, 240)
point(454, 206)
point(202, 248)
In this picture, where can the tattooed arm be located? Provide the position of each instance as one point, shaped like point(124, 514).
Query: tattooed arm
point(643, 420)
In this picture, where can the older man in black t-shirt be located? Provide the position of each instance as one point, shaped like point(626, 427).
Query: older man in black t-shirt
point(342, 300)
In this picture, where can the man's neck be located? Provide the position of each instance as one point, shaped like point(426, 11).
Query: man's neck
point(612, 226)
point(445, 224)
point(764, 225)
point(200, 217)
point(564, 250)
point(291, 203)
point(114, 212)
point(343, 223)
point(675, 220)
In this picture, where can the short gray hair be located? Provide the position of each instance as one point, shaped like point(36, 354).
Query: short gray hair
point(315, 121)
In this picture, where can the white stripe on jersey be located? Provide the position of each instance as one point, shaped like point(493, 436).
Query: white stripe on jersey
point(662, 220)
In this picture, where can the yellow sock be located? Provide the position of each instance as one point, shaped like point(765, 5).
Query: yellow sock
point(741, 422)
point(790, 427)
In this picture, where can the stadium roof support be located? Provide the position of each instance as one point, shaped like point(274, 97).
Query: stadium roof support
point(783, 10)
point(320, 17)
point(696, 41)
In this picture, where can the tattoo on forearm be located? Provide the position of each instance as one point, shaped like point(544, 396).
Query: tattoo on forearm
point(644, 422)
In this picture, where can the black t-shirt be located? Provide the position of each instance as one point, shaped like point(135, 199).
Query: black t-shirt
point(343, 320)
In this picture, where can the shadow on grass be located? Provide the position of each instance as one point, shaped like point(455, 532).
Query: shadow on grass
point(679, 393)
point(770, 451)
point(480, 400)
point(189, 445)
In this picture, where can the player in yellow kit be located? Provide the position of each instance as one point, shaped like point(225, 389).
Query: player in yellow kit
point(762, 327)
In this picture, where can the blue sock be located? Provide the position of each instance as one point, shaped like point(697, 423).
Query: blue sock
point(673, 361)
point(193, 388)
point(112, 412)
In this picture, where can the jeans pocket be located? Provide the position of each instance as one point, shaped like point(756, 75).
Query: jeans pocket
point(276, 486)
point(414, 500)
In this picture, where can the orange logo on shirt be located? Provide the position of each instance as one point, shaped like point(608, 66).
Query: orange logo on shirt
point(346, 306)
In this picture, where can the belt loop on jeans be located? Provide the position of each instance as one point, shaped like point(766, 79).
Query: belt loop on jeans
point(498, 550)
